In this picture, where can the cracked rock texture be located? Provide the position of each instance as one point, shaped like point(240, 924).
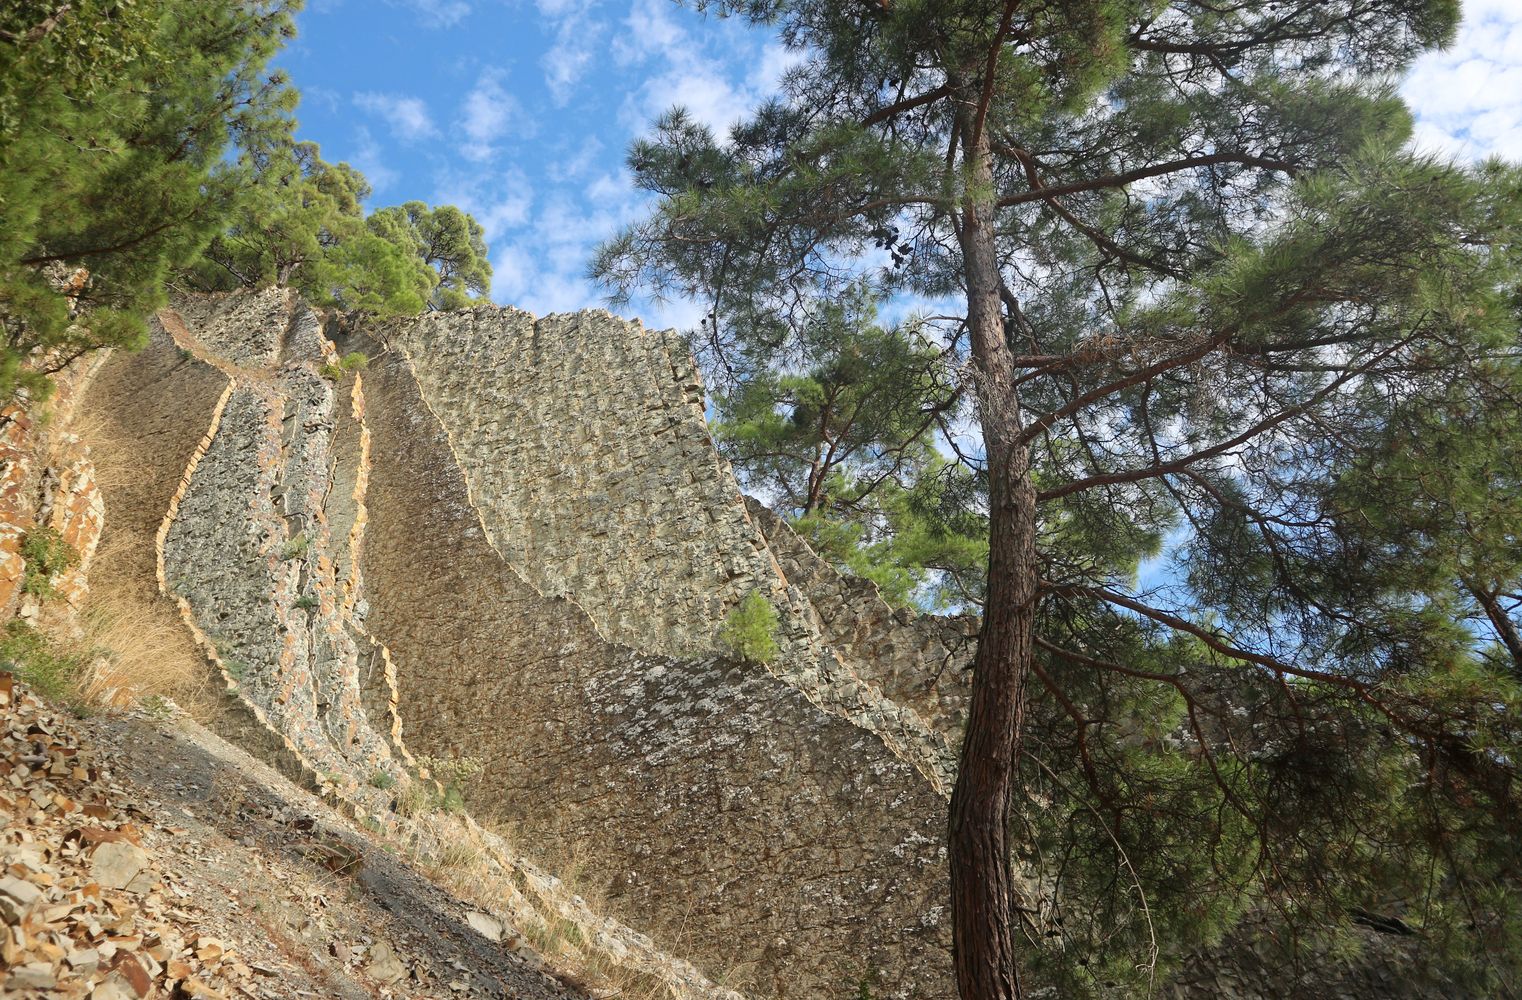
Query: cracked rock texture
point(511, 540)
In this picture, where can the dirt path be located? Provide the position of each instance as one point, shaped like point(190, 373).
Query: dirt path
point(254, 888)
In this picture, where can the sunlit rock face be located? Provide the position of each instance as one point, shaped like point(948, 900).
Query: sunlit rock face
point(511, 539)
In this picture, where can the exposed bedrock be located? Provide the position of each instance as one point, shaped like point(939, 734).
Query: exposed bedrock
point(511, 539)
point(735, 820)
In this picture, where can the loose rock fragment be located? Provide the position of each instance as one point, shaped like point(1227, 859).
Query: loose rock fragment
point(116, 863)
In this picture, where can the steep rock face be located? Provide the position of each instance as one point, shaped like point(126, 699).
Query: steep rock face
point(583, 447)
point(737, 821)
point(322, 546)
point(48, 481)
point(919, 660)
point(511, 540)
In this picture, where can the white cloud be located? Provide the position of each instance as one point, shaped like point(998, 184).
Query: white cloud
point(581, 162)
point(500, 201)
point(650, 31)
point(776, 59)
point(718, 74)
point(577, 36)
point(367, 160)
point(487, 114)
point(437, 13)
point(1468, 98)
point(407, 117)
point(704, 92)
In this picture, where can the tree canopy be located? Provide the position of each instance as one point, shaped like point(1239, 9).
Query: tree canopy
point(448, 241)
point(148, 141)
point(835, 428)
point(114, 118)
point(1214, 316)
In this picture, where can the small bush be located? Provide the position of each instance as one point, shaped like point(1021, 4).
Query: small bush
point(382, 780)
point(306, 602)
point(235, 669)
point(36, 661)
point(415, 799)
point(452, 770)
point(353, 361)
point(294, 548)
point(750, 631)
point(46, 555)
point(157, 708)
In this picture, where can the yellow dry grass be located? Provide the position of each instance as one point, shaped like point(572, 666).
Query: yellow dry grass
point(136, 649)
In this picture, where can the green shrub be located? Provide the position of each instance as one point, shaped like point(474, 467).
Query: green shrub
point(306, 602)
point(453, 773)
point(353, 361)
point(750, 630)
point(46, 555)
point(382, 780)
point(36, 661)
point(294, 548)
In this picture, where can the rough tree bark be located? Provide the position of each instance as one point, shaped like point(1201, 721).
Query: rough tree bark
point(982, 897)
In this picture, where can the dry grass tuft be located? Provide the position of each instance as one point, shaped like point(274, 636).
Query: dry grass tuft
point(137, 649)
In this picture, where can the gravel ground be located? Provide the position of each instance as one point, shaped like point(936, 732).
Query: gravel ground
point(147, 857)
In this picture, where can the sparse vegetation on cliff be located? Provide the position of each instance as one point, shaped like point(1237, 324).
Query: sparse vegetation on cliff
point(750, 629)
point(52, 670)
point(47, 554)
point(353, 361)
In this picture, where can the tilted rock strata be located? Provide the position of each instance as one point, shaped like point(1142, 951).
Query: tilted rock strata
point(48, 481)
point(584, 450)
point(728, 811)
point(920, 660)
point(511, 540)
point(260, 489)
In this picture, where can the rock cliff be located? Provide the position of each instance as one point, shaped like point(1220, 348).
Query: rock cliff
point(510, 541)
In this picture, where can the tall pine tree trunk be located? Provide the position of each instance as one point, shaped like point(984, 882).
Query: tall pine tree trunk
point(982, 900)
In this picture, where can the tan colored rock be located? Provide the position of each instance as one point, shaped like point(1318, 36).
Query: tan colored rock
point(32, 976)
point(385, 968)
point(485, 925)
point(16, 898)
point(116, 863)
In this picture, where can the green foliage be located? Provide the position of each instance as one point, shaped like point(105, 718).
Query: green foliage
point(353, 361)
point(750, 629)
point(114, 118)
point(918, 546)
point(835, 425)
point(305, 602)
point(1245, 363)
point(51, 672)
point(382, 780)
point(299, 221)
point(447, 241)
point(46, 555)
point(452, 774)
point(295, 547)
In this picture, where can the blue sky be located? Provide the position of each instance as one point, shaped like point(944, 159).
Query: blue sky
point(520, 111)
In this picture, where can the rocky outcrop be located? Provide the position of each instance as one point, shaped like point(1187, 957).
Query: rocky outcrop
point(510, 540)
point(584, 452)
point(260, 481)
point(47, 484)
point(728, 810)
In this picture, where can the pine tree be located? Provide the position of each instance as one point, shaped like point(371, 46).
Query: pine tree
point(114, 118)
point(299, 221)
point(835, 428)
point(447, 240)
point(1208, 293)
